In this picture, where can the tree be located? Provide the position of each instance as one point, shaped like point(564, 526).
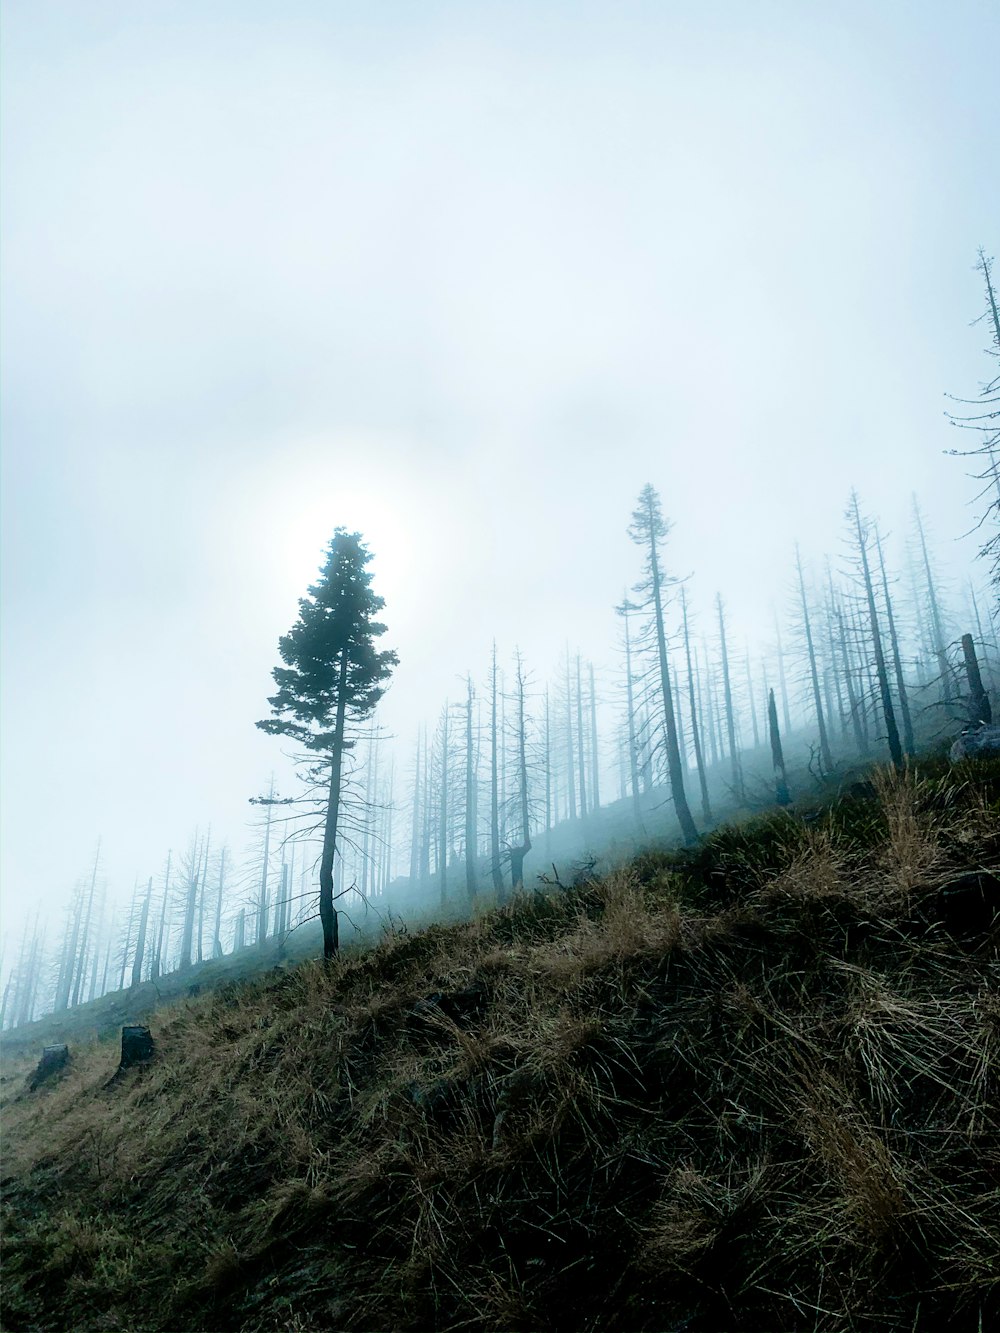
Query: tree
point(824, 744)
point(648, 529)
point(861, 531)
point(986, 422)
point(333, 676)
point(520, 850)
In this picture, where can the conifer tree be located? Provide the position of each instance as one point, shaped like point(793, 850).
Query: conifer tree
point(333, 676)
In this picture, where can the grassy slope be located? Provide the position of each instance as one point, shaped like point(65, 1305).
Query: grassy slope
point(749, 1086)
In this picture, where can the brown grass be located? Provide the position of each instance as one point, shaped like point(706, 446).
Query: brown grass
point(750, 1087)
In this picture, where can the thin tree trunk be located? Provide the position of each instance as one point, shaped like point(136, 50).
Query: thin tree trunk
point(415, 841)
point(327, 912)
point(824, 744)
point(897, 665)
point(519, 851)
point(674, 766)
point(979, 704)
point(777, 758)
point(158, 959)
point(582, 744)
point(888, 712)
point(495, 868)
point(570, 781)
point(217, 933)
point(471, 819)
point(633, 748)
point(140, 943)
point(699, 758)
point(594, 749)
point(734, 757)
point(443, 812)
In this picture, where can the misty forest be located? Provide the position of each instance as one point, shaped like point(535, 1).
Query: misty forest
point(606, 943)
point(517, 780)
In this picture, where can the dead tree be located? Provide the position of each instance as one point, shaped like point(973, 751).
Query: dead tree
point(734, 755)
point(824, 744)
point(140, 942)
point(888, 711)
point(625, 609)
point(594, 751)
point(648, 529)
point(696, 719)
point(495, 866)
point(471, 811)
point(777, 758)
point(520, 849)
point(897, 662)
point(979, 703)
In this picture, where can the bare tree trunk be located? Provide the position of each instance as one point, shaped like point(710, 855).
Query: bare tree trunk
point(425, 847)
point(519, 851)
point(734, 757)
point(594, 749)
point(570, 781)
point(263, 893)
point(777, 758)
point(548, 775)
point(582, 744)
point(471, 814)
point(696, 721)
point(140, 943)
point(753, 705)
point(158, 959)
point(979, 704)
point(201, 896)
point(415, 841)
point(853, 703)
point(888, 712)
point(495, 867)
point(85, 942)
point(128, 933)
point(824, 744)
point(785, 717)
point(897, 665)
point(217, 933)
point(633, 749)
point(937, 621)
point(327, 911)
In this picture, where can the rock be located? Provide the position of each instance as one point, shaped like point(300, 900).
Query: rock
point(54, 1059)
point(975, 741)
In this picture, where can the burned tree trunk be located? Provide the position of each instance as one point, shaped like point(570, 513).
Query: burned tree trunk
point(777, 758)
point(888, 712)
point(979, 702)
point(824, 744)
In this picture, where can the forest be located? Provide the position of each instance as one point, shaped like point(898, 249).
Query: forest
point(871, 657)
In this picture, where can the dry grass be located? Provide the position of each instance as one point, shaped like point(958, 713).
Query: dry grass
point(749, 1087)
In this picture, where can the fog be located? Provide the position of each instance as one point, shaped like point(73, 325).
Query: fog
point(463, 277)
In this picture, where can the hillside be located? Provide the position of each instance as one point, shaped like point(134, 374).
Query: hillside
point(752, 1085)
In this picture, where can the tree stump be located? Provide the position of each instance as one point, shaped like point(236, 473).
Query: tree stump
point(54, 1058)
point(137, 1045)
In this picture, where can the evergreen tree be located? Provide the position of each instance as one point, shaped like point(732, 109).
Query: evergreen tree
point(333, 675)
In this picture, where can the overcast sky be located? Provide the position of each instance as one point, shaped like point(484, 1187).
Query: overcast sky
point(462, 276)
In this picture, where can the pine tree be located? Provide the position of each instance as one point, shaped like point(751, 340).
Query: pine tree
point(333, 676)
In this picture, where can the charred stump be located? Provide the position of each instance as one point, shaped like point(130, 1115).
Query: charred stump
point(54, 1060)
point(137, 1045)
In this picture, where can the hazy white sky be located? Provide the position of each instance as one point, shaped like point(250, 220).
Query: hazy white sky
point(463, 276)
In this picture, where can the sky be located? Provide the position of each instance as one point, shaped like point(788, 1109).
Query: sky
point(461, 276)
